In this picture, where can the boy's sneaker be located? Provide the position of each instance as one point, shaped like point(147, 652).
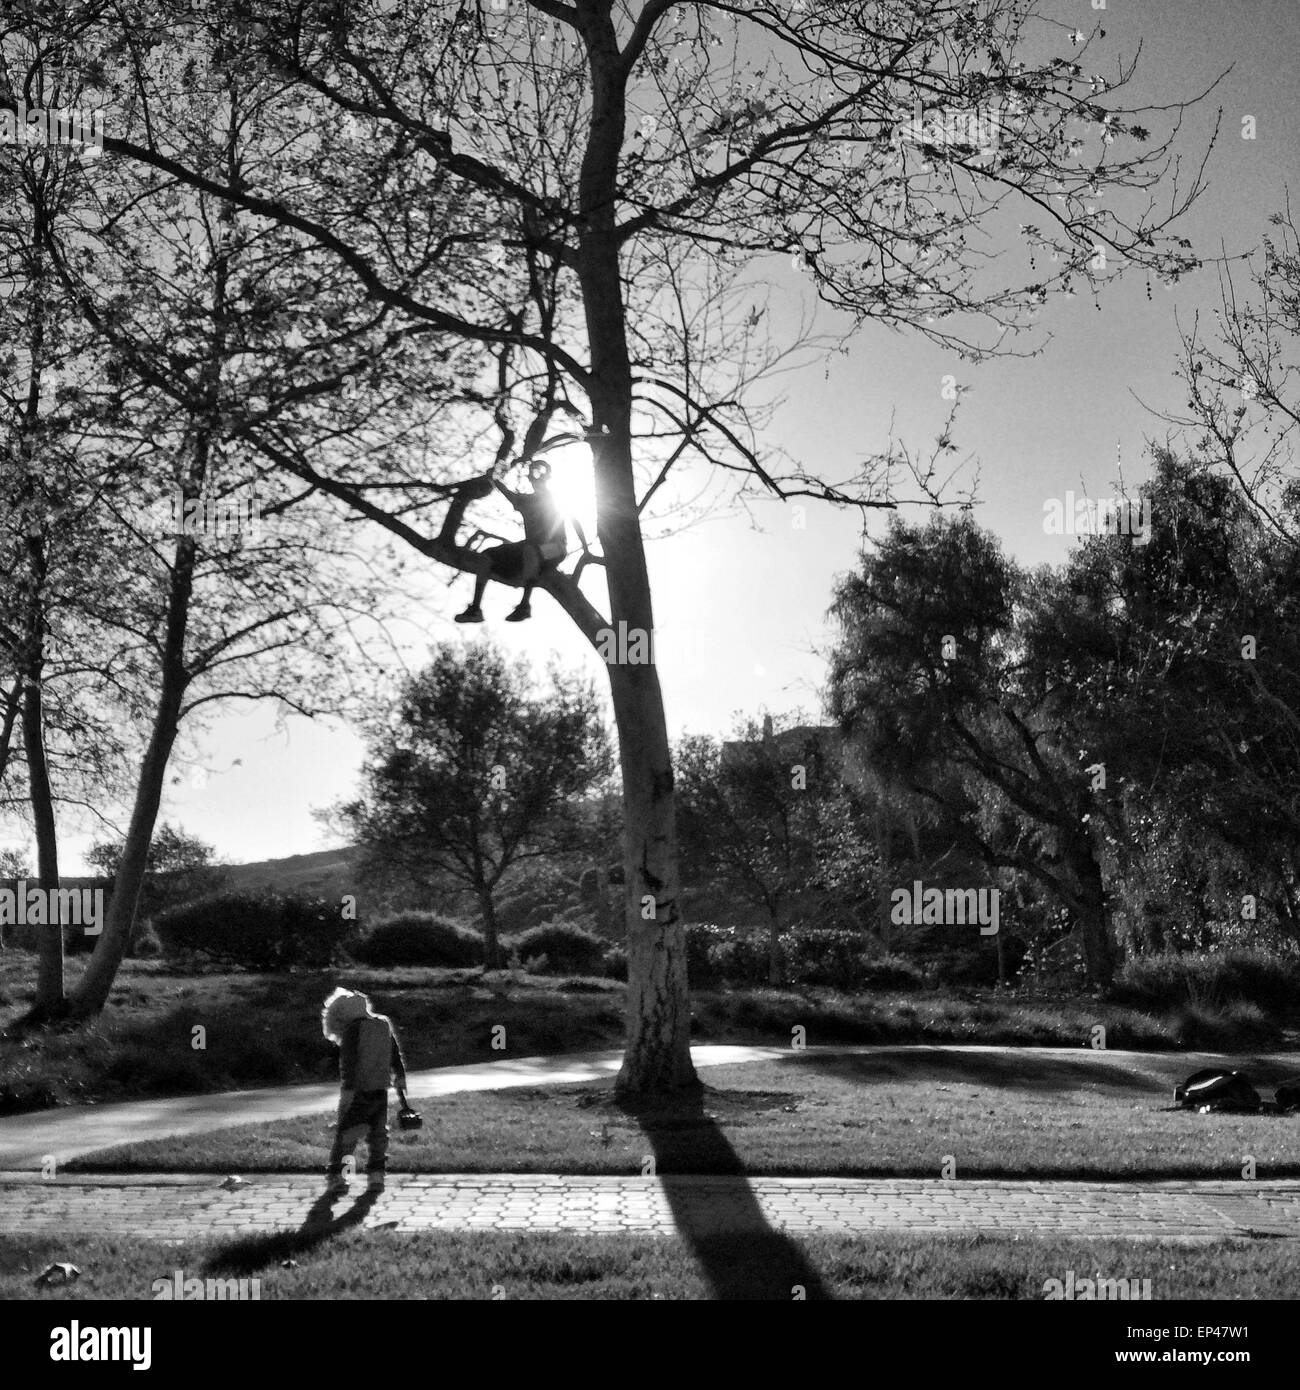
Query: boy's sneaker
point(470, 615)
point(521, 614)
point(336, 1187)
point(375, 1183)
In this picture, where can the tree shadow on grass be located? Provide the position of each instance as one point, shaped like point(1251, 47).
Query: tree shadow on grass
point(254, 1253)
point(1115, 1079)
point(1027, 1069)
point(741, 1256)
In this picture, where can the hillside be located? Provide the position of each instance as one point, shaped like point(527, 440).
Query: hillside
point(325, 873)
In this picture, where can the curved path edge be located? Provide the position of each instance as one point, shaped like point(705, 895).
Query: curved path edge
point(73, 1131)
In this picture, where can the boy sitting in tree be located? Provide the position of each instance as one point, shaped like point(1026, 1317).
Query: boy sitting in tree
point(544, 546)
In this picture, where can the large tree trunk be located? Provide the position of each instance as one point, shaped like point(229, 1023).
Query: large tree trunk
point(658, 1052)
point(49, 980)
point(50, 1000)
point(774, 946)
point(1091, 908)
point(491, 936)
point(91, 992)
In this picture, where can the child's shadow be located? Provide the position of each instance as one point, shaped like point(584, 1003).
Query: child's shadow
point(252, 1253)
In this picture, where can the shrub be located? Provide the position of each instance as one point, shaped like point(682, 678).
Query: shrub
point(614, 963)
point(1170, 980)
point(1238, 1024)
point(824, 956)
point(740, 957)
point(145, 943)
point(718, 955)
point(514, 909)
point(704, 959)
point(576, 916)
point(569, 949)
point(831, 956)
point(419, 938)
point(538, 915)
point(259, 930)
point(891, 972)
point(979, 966)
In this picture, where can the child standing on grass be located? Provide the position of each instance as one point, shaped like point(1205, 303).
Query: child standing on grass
point(368, 1054)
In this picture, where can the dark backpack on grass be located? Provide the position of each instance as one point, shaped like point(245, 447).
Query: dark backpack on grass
point(1287, 1095)
point(1216, 1090)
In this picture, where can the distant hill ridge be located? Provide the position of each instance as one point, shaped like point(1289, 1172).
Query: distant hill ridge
point(322, 873)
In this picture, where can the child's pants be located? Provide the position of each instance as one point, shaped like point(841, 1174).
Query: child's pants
point(360, 1112)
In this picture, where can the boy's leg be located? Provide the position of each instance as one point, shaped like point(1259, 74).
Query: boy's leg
point(483, 572)
point(523, 610)
point(539, 564)
point(346, 1134)
point(377, 1136)
point(509, 563)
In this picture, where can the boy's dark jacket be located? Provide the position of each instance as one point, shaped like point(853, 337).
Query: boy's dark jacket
point(369, 1051)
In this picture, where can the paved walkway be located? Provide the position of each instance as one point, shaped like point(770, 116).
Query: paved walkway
point(184, 1207)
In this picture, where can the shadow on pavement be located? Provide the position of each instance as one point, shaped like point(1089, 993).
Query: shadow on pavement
point(252, 1253)
point(741, 1256)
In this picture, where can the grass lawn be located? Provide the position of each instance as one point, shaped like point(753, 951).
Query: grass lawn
point(445, 1265)
point(895, 1114)
point(264, 1030)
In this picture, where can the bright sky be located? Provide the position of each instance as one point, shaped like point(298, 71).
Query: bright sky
point(740, 599)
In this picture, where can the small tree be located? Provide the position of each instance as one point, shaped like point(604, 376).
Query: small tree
point(755, 816)
point(13, 864)
point(178, 870)
point(473, 773)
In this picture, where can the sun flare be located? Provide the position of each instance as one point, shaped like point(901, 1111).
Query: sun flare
point(572, 484)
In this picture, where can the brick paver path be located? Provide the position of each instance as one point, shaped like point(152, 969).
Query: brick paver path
point(178, 1207)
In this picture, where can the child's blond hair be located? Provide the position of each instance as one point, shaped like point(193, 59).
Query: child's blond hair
point(340, 1009)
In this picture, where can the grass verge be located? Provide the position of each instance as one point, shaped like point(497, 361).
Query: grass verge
point(519, 1265)
point(897, 1113)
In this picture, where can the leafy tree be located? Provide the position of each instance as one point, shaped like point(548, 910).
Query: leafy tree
point(1242, 411)
point(1176, 669)
point(180, 615)
point(764, 816)
point(1125, 730)
point(474, 773)
point(52, 543)
point(13, 865)
point(179, 869)
point(930, 673)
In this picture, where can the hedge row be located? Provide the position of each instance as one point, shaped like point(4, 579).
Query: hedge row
point(816, 956)
point(272, 931)
point(258, 930)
